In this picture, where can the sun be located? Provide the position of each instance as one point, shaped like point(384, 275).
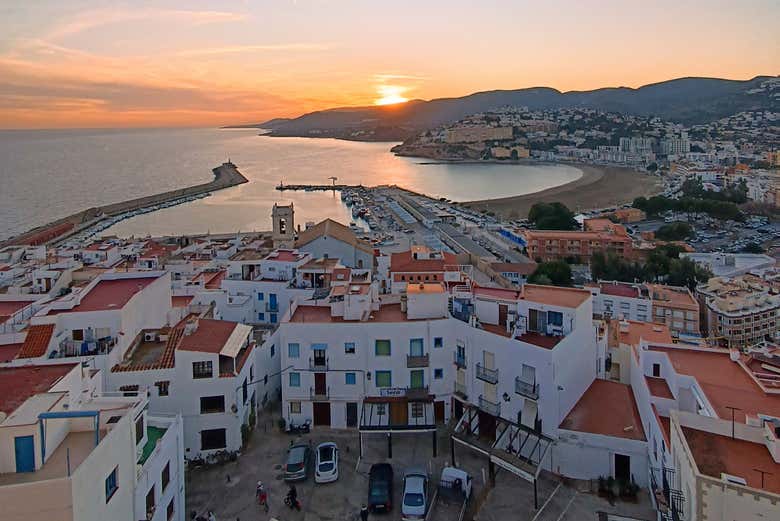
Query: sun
point(390, 94)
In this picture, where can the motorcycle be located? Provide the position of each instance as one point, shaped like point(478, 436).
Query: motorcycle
point(301, 428)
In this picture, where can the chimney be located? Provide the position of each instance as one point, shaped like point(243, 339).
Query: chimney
point(191, 326)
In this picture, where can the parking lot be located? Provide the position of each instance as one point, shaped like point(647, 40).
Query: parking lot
point(229, 489)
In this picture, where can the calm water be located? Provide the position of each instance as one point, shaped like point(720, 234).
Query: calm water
point(45, 175)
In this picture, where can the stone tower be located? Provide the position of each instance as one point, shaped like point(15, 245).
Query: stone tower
point(283, 217)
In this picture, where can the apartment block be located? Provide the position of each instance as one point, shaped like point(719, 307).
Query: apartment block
point(598, 235)
point(676, 308)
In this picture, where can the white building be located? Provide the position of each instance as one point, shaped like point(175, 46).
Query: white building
point(613, 299)
point(331, 239)
point(72, 453)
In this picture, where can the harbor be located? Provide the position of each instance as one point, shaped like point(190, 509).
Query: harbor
point(87, 223)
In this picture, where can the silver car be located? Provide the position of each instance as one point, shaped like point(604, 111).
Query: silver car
point(414, 504)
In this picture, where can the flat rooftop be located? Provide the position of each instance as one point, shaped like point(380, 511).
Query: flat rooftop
point(606, 408)
point(658, 387)
point(554, 296)
point(9, 307)
point(726, 383)
point(321, 314)
point(672, 296)
point(715, 454)
point(619, 289)
point(109, 294)
point(647, 331)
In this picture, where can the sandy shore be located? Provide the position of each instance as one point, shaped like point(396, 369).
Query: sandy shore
point(599, 187)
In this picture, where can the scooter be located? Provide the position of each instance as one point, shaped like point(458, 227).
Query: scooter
point(302, 428)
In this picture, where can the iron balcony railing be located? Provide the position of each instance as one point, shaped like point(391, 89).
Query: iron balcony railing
point(417, 393)
point(460, 360)
point(322, 394)
point(525, 389)
point(273, 308)
point(460, 390)
point(318, 364)
point(489, 407)
point(84, 347)
point(413, 361)
point(487, 375)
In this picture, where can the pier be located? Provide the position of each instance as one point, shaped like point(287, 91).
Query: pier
point(316, 188)
point(225, 176)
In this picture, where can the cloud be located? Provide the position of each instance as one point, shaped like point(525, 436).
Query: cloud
point(387, 77)
point(101, 17)
point(235, 49)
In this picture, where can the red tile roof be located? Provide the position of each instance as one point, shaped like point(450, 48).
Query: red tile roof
point(9, 351)
point(37, 340)
point(17, 384)
point(181, 301)
point(285, 256)
point(619, 289)
point(404, 262)
point(321, 314)
point(109, 294)
point(215, 281)
point(209, 337)
point(9, 307)
point(658, 387)
point(545, 341)
point(606, 408)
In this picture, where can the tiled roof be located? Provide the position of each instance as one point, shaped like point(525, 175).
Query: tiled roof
point(334, 229)
point(37, 340)
point(17, 384)
point(109, 294)
point(404, 262)
point(606, 408)
point(210, 336)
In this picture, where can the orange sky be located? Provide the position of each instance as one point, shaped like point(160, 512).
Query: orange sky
point(173, 63)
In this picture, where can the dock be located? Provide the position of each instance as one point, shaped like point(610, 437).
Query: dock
point(225, 176)
point(316, 188)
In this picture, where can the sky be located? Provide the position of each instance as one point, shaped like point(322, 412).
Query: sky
point(80, 63)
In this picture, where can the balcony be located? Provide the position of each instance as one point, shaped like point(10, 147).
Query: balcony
point(417, 393)
point(318, 364)
point(416, 361)
point(319, 394)
point(460, 390)
point(272, 308)
point(525, 389)
point(489, 407)
point(460, 361)
point(487, 375)
point(69, 348)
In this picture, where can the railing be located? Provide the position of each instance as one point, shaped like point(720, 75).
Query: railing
point(314, 394)
point(69, 348)
point(525, 389)
point(318, 364)
point(417, 393)
point(413, 361)
point(487, 375)
point(489, 407)
point(460, 390)
point(460, 360)
point(273, 308)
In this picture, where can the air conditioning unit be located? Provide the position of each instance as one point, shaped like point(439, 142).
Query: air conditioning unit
point(150, 337)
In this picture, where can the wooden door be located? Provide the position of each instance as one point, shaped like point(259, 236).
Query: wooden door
point(438, 411)
point(487, 426)
point(399, 414)
point(502, 312)
point(322, 414)
point(352, 414)
point(320, 386)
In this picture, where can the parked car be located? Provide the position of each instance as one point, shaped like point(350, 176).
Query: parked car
point(297, 466)
point(380, 487)
point(415, 498)
point(326, 466)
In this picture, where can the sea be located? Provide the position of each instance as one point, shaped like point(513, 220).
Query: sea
point(48, 174)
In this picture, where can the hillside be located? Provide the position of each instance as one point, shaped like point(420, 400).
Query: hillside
point(685, 100)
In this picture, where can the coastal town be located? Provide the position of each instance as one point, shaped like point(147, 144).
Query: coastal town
point(535, 364)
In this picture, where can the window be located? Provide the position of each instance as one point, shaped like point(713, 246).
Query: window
point(273, 349)
point(295, 407)
point(165, 477)
point(438, 342)
point(78, 335)
point(150, 501)
point(418, 409)
point(416, 347)
point(438, 374)
point(139, 429)
point(261, 316)
point(245, 391)
point(349, 348)
point(384, 378)
point(163, 388)
point(555, 318)
point(417, 378)
point(293, 350)
point(382, 348)
point(273, 318)
point(657, 370)
point(170, 510)
point(212, 404)
point(202, 369)
point(295, 379)
point(381, 409)
point(642, 318)
point(350, 379)
point(251, 373)
point(260, 296)
point(212, 439)
point(112, 484)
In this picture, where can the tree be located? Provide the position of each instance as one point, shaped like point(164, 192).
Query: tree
point(753, 247)
point(652, 167)
point(677, 231)
point(552, 216)
point(557, 273)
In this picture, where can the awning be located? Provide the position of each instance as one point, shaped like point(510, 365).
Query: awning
point(319, 347)
point(236, 340)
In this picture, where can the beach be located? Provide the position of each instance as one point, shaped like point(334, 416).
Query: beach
point(600, 186)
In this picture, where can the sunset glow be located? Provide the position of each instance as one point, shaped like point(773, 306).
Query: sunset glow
point(94, 63)
point(390, 94)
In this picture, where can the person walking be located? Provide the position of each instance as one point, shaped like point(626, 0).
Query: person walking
point(262, 495)
point(364, 513)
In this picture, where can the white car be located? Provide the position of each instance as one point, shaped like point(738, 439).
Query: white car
point(326, 463)
point(414, 504)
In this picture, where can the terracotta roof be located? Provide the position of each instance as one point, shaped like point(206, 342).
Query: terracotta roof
point(321, 314)
point(725, 383)
point(715, 454)
point(9, 307)
point(647, 331)
point(404, 262)
point(334, 229)
point(215, 281)
point(9, 351)
point(210, 336)
point(37, 340)
point(499, 293)
point(606, 408)
point(555, 296)
point(619, 289)
point(545, 341)
point(179, 301)
point(672, 296)
point(109, 294)
point(659, 387)
point(17, 384)
point(285, 256)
